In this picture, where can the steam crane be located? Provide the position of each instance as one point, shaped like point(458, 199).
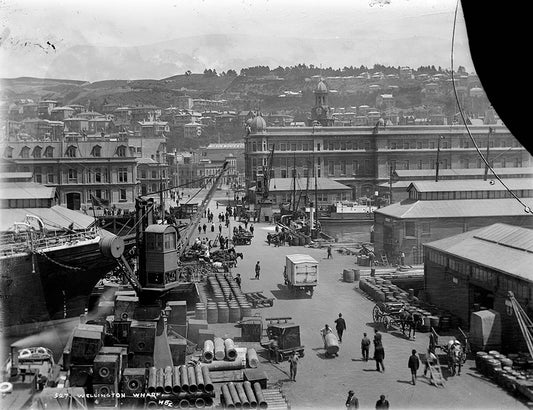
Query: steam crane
point(264, 204)
point(159, 248)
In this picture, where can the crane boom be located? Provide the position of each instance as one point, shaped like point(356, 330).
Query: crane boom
point(195, 220)
point(526, 326)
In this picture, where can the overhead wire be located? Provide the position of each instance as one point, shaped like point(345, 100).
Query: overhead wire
point(527, 209)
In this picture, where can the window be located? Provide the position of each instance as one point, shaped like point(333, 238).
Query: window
point(282, 147)
point(38, 175)
point(170, 241)
point(25, 152)
point(96, 151)
point(72, 175)
point(143, 173)
point(50, 175)
point(97, 175)
point(123, 175)
point(49, 152)
point(343, 167)
point(425, 228)
point(154, 174)
point(331, 167)
point(8, 152)
point(355, 167)
point(122, 195)
point(410, 229)
point(318, 146)
point(121, 151)
point(71, 151)
point(284, 173)
point(37, 152)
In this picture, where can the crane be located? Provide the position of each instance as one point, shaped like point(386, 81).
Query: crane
point(526, 326)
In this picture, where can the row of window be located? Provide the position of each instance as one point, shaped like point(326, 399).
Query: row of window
point(424, 228)
point(501, 282)
point(71, 152)
point(435, 196)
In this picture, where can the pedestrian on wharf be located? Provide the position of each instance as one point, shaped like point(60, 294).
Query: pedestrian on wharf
point(199, 229)
point(330, 256)
point(252, 229)
point(324, 331)
point(293, 360)
point(238, 280)
point(413, 364)
point(212, 227)
point(257, 270)
point(204, 227)
point(219, 228)
point(365, 347)
point(377, 336)
point(382, 403)
point(379, 356)
point(352, 402)
point(340, 325)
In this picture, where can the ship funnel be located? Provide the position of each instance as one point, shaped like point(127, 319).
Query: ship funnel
point(112, 246)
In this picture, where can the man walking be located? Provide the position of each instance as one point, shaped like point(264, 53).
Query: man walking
point(238, 280)
point(352, 402)
point(382, 403)
point(340, 325)
point(413, 364)
point(293, 360)
point(330, 256)
point(365, 347)
point(257, 270)
point(377, 337)
point(252, 229)
point(379, 356)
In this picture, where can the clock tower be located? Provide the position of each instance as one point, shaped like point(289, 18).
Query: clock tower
point(321, 113)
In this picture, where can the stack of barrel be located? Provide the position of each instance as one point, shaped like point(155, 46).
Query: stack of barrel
point(242, 395)
point(228, 303)
point(383, 290)
point(184, 386)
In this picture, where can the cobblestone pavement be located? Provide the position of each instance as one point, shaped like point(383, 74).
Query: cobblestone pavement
point(324, 382)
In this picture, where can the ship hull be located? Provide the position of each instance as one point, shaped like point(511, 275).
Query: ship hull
point(53, 284)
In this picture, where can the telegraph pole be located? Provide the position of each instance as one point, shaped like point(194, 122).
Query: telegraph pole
point(437, 162)
point(390, 185)
point(487, 155)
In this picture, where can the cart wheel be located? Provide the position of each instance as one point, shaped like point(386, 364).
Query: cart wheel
point(376, 314)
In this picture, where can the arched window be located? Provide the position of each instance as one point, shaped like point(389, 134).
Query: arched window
point(49, 152)
point(71, 151)
point(96, 151)
point(37, 152)
point(25, 152)
point(121, 151)
point(8, 152)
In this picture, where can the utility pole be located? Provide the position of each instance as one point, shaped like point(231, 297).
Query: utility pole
point(437, 162)
point(487, 155)
point(390, 185)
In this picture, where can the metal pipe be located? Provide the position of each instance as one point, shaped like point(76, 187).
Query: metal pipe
point(251, 357)
point(208, 384)
point(199, 377)
point(152, 379)
point(191, 375)
point(231, 353)
point(184, 404)
point(250, 394)
point(160, 381)
point(228, 401)
point(259, 396)
point(168, 379)
point(234, 394)
point(209, 351)
point(220, 351)
point(176, 384)
point(242, 396)
point(199, 403)
point(224, 365)
point(184, 378)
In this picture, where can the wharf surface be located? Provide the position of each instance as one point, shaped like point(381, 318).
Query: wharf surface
point(322, 382)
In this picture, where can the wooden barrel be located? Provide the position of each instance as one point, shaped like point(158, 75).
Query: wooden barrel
point(356, 275)
point(246, 310)
point(234, 313)
point(223, 313)
point(348, 275)
point(332, 344)
point(212, 313)
point(200, 311)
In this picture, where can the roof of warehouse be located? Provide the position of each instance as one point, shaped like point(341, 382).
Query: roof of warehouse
point(501, 247)
point(406, 173)
point(56, 217)
point(451, 185)
point(456, 208)
point(25, 190)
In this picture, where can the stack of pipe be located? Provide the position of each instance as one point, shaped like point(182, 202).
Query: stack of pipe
point(242, 395)
point(183, 385)
point(222, 350)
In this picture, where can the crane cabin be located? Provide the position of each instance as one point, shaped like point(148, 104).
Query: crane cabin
point(161, 256)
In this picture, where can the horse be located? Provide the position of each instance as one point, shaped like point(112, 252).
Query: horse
point(456, 358)
point(409, 321)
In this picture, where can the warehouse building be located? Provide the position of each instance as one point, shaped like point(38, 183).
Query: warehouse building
point(474, 270)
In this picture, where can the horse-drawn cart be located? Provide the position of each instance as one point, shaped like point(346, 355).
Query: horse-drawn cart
point(394, 314)
point(456, 349)
point(242, 238)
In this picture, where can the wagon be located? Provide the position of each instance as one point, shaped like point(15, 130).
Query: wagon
point(300, 273)
point(456, 349)
point(393, 314)
point(242, 239)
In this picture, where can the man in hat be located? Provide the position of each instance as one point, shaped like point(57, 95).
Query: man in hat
point(413, 365)
point(293, 360)
point(351, 401)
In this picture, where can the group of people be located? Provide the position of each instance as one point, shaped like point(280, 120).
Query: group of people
point(352, 402)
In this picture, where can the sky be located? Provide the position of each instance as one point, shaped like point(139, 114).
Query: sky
point(60, 37)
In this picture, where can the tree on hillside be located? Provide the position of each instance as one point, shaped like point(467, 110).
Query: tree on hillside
point(210, 73)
